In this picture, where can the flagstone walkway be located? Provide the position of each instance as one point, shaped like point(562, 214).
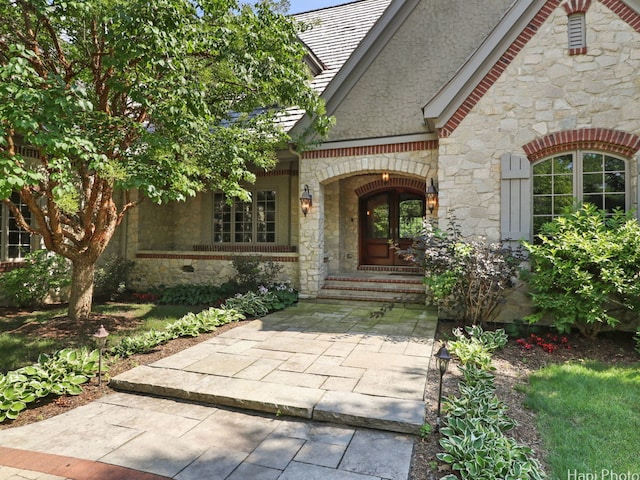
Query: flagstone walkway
point(229, 406)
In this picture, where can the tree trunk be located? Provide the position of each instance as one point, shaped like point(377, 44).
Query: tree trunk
point(81, 289)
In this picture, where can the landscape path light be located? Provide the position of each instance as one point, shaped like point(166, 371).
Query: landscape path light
point(101, 340)
point(443, 359)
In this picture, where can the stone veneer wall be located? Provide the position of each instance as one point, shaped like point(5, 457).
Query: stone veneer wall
point(327, 230)
point(543, 90)
point(154, 268)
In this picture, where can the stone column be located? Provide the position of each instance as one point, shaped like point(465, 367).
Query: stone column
point(311, 241)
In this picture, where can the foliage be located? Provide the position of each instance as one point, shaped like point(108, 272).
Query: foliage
point(191, 325)
point(473, 439)
point(468, 278)
point(549, 343)
point(194, 294)
point(263, 301)
point(60, 374)
point(587, 415)
point(253, 271)
point(168, 97)
point(476, 348)
point(112, 275)
point(586, 270)
point(43, 273)
point(637, 338)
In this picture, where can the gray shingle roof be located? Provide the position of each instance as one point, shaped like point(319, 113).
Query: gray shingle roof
point(333, 35)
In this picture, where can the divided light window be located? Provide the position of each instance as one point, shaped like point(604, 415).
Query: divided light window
point(245, 222)
point(15, 243)
point(587, 177)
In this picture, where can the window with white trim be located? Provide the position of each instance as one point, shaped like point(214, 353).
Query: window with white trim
point(15, 243)
point(583, 176)
point(245, 222)
point(577, 31)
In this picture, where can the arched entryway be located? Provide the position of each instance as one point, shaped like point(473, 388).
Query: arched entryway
point(389, 216)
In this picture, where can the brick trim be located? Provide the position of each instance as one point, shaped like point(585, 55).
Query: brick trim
point(245, 248)
point(578, 51)
point(402, 182)
point(277, 173)
point(498, 68)
point(576, 6)
point(617, 6)
point(8, 266)
point(372, 149)
point(614, 141)
point(186, 256)
point(625, 12)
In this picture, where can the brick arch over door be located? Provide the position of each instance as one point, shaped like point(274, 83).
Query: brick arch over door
point(411, 183)
point(614, 141)
point(346, 167)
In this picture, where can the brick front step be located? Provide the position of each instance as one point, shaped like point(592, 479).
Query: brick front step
point(374, 287)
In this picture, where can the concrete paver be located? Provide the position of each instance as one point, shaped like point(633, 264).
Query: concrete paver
point(139, 437)
point(294, 361)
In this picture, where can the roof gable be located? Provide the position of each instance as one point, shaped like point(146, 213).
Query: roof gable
point(455, 100)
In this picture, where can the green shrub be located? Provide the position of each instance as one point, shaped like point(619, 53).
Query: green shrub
point(43, 273)
point(467, 278)
point(60, 374)
point(476, 348)
point(191, 325)
point(586, 270)
point(195, 294)
point(474, 440)
point(253, 272)
point(263, 301)
point(112, 275)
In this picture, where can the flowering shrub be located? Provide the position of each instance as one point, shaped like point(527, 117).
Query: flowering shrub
point(549, 343)
point(467, 278)
point(146, 297)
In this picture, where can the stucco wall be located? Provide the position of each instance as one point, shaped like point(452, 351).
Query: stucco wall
point(422, 56)
point(543, 90)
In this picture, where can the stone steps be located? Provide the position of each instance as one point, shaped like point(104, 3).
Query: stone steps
point(384, 287)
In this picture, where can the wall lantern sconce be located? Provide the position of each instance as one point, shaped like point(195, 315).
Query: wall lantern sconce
point(306, 201)
point(101, 340)
point(443, 359)
point(432, 197)
point(385, 177)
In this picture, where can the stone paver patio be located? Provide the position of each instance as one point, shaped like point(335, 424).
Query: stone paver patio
point(318, 361)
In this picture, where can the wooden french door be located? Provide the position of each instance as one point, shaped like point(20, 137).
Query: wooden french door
point(390, 217)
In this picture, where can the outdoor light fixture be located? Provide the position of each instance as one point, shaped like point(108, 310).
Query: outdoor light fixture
point(385, 177)
point(432, 197)
point(306, 201)
point(443, 363)
point(101, 340)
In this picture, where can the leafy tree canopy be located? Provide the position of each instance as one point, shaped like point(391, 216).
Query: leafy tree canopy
point(169, 97)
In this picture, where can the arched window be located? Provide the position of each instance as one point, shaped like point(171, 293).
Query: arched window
point(583, 176)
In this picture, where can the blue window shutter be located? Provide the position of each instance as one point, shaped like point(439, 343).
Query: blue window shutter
point(515, 198)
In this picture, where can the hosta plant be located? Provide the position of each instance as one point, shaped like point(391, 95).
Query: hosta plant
point(59, 374)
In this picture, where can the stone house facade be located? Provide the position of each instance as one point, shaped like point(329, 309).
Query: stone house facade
point(496, 117)
point(513, 108)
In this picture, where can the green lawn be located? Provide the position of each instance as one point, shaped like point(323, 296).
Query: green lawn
point(21, 342)
point(589, 418)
